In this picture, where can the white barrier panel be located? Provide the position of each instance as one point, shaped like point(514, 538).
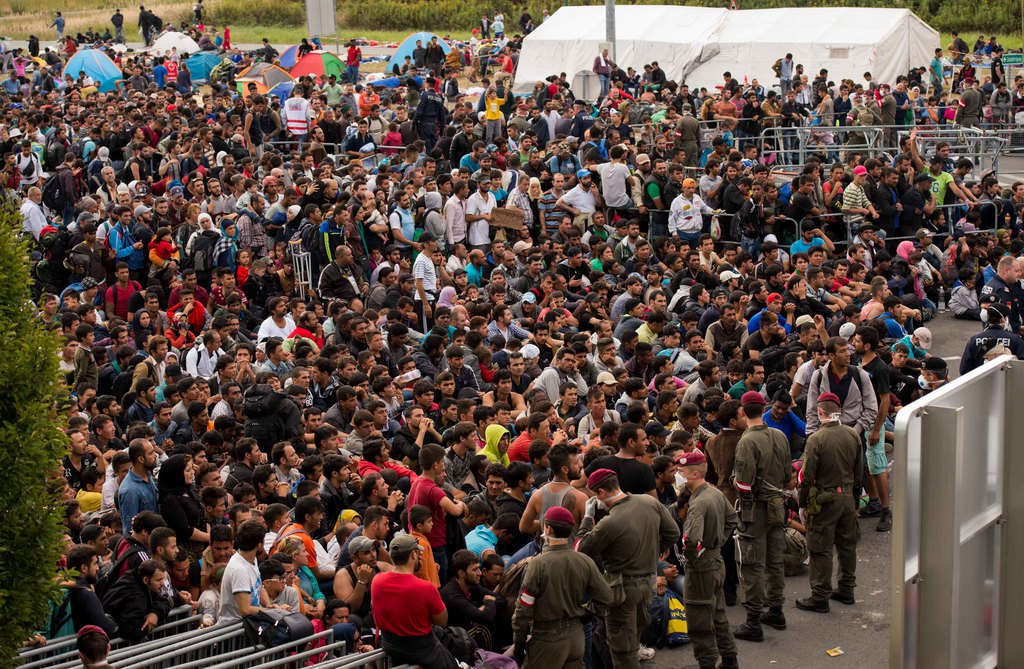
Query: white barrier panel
point(958, 532)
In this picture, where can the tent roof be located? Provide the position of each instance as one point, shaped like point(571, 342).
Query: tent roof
point(409, 43)
point(265, 73)
point(97, 65)
point(181, 41)
point(698, 44)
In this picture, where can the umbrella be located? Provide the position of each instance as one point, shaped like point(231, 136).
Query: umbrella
point(319, 64)
point(201, 64)
point(288, 57)
point(409, 44)
point(174, 40)
point(264, 75)
point(97, 65)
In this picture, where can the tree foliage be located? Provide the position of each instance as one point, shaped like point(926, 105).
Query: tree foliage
point(31, 443)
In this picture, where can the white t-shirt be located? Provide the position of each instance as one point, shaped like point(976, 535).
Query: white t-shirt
point(239, 576)
point(269, 328)
point(582, 200)
point(613, 184)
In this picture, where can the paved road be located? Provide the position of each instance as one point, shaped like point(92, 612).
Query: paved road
point(860, 630)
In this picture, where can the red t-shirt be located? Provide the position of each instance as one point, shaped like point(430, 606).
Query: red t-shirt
point(519, 449)
point(120, 296)
point(403, 603)
point(427, 493)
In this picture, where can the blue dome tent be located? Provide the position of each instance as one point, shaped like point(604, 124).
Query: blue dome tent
point(409, 44)
point(97, 65)
point(289, 57)
point(201, 64)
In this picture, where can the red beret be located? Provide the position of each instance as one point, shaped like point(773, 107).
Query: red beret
point(90, 629)
point(829, 397)
point(559, 515)
point(752, 397)
point(598, 476)
point(694, 457)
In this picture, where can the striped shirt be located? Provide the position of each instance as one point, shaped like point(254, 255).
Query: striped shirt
point(423, 268)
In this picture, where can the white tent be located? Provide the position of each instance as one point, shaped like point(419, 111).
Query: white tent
point(698, 44)
point(170, 40)
point(846, 41)
point(675, 36)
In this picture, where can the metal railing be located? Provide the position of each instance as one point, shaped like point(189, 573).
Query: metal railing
point(376, 658)
point(221, 639)
point(64, 648)
point(289, 652)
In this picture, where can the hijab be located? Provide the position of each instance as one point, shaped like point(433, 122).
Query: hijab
point(171, 482)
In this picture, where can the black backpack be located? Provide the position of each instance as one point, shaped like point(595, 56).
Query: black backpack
point(201, 259)
point(110, 577)
point(458, 642)
point(53, 196)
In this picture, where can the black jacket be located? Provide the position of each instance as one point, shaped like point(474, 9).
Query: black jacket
point(129, 602)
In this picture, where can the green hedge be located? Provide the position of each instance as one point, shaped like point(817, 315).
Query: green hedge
point(995, 16)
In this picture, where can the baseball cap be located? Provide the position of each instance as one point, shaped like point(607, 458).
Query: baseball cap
point(846, 330)
point(656, 429)
point(643, 158)
point(142, 209)
point(582, 173)
point(728, 275)
point(360, 544)
point(689, 183)
point(924, 335)
point(559, 515)
point(774, 297)
point(859, 170)
point(598, 476)
point(530, 352)
point(405, 543)
point(694, 457)
point(606, 378)
point(521, 246)
point(923, 232)
point(804, 319)
point(88, 283)
point(752, 397)
point(529, 298)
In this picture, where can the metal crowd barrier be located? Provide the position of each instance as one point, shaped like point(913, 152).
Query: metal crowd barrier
point(376, 658)
point(206, 647)
point(280, 655)
point(64, 648)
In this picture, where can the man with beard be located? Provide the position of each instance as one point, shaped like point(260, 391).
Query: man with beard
point(82, 604)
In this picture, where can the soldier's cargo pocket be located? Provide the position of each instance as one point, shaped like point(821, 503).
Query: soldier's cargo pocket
point(617, 587)
point(775, 512)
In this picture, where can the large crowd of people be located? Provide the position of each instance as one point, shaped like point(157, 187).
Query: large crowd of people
point(525, 375)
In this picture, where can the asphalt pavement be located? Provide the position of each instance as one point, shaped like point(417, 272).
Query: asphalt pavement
point(861, 630)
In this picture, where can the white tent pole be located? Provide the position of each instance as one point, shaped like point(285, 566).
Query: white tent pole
point(609, 25)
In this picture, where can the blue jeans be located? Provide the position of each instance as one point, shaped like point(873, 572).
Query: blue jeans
point(688, 237)
point(605, 84)
point(441, 559)
point(751, 245)
point(352, 74)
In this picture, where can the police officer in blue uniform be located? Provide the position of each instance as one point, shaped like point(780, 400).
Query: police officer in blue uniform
point(430, 113)
point(996, 332)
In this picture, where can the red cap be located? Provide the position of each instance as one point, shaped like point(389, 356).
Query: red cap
point(598, 476)
point(694, 457)
point(752, 397)
point(829, 397)
point(774, 297)
point(559, 515)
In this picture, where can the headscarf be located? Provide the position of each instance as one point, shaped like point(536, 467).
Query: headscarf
point(493, 435)
point(224, 223)
point(171, 481)
point(904, 250)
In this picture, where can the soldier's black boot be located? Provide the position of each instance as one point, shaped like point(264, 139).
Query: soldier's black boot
point(750, 630)
point(812, 604)
point(774, 617)
point(729, 662)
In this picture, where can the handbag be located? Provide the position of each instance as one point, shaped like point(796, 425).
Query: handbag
point(274, 627)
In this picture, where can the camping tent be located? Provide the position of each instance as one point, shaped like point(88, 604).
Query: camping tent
point(201, 64)
point(409, 44)
point(97, 65)
point(318, 64)
point(675, 36)
point(265, 76)
point(288, 57)
point(174, 40)
point(698, 44)
point(846, 41)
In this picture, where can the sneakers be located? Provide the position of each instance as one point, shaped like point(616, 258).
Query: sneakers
point(874, 508)
point(644, 653)
point(885, 521)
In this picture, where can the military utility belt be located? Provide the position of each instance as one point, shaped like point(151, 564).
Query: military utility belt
point(818, 497)
point(839, 490)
